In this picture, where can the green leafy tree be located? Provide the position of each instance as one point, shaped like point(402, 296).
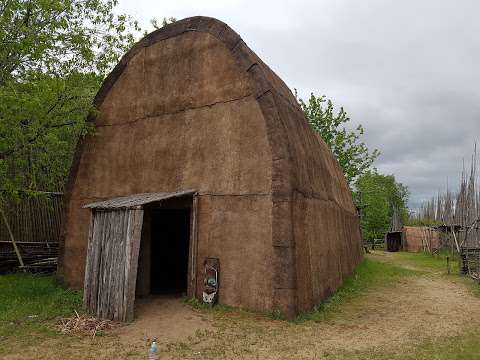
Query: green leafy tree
point(352, 153)
point(58, 36)
point(42, 119)
point(53, 56)
point(379, 196)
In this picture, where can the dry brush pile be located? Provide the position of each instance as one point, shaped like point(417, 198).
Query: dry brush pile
point(83, 325)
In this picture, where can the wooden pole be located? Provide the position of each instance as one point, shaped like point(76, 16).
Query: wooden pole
point(17, 251)
point(456, 242)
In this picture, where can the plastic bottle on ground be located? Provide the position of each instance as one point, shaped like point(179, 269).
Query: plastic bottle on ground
point(153, 351)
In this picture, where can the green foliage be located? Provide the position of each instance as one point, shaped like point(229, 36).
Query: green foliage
point(378, 195)
point(53, 57)
point(35, 296)
point(42, 118)
point(422, 222)
point(58, 36)
point(368, 276)
point(352, 153)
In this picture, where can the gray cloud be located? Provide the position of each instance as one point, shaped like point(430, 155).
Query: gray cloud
point(406, 70)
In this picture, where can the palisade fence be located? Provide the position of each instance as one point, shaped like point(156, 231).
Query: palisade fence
point(457, 214)
point(34, 223)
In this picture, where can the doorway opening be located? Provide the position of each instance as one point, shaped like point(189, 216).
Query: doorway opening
point(165, 248)
point(170, 234)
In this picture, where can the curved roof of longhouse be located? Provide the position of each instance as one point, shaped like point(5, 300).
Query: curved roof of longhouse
point(302, 163)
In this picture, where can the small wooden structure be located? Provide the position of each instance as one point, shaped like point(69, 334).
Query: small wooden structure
point(420, 238)
point(113, 253)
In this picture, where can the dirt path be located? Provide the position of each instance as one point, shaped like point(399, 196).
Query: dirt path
point(165, 318)
point(418, 308)
point(402, 316)
point(391, 322)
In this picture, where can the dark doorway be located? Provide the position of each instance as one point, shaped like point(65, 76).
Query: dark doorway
point(170, 239)
point(393, 241)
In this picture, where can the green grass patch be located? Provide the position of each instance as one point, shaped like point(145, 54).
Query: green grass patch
point(464, 346)
point(200, 305)
point(28, 306)
point(437, 263)
point(369, 275)
point(35, 298)
point(218, 309)
point(427, 261)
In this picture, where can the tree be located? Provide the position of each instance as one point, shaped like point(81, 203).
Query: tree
point(58, 36)
point(54, 55)
point(379, 196)
point(42, 119)
point(352, 154)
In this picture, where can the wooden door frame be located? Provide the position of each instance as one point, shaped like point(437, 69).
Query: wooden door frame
point(193, 249)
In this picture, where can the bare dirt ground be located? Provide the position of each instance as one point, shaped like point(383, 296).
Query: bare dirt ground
point(391, 322)
point(166, 318)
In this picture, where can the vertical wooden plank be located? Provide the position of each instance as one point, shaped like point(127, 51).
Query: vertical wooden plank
point(88, 265)
point(118, 261)
point(109, 263)
point(133, 247)
point(122, 270)
point(105, 294)
point(93, 275)
point(98, 261)
point(192, 251)
point(98, 269)
point(144, 258)
point(115, 242)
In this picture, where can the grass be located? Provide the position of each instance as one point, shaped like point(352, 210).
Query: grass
point(28, 306)
point(370, 275)
point(428, 261)
point(223, 310)
point(239, 333)
point(465, 346)
point(438, 263)
point(28, 296)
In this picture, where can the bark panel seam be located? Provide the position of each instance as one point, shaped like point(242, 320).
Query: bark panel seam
point(89, 198)
point(175, 112)
point(317, 196)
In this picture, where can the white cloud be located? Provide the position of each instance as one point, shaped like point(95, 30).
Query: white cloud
point(406, 70)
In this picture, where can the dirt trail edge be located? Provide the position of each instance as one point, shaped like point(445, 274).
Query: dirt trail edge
point(394, 319)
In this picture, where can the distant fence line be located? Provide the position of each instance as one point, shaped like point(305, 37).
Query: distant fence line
point(33, 219)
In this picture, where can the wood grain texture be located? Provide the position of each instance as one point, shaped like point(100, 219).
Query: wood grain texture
point(112, 261)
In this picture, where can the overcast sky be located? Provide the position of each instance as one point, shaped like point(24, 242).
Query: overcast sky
point(408, 70)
